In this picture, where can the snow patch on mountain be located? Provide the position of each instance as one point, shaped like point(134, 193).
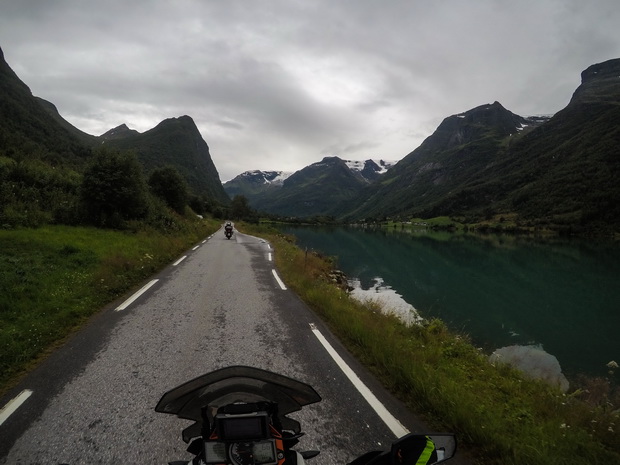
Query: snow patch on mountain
point(360, 165)
point(281, 177)
point(267, 177)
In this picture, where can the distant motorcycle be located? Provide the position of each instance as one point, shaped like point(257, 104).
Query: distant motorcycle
point(240, 419)
point(228, 230)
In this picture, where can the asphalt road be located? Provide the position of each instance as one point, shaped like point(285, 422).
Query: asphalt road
point(93, 400)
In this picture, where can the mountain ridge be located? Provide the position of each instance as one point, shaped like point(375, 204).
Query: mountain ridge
point(482, 163)
point(488, 162)
point(173, 142)
point(560, 172)
point(43, 157)
point(316, 189)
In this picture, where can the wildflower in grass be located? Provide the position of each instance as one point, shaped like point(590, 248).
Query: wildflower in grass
point(612, 366)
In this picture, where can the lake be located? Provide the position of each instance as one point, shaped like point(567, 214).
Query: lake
point(562, 296)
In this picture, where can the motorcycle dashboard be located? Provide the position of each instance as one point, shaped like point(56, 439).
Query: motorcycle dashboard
point(241, 453)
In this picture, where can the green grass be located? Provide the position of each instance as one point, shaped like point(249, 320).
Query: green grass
point(53, 278)
point(502, 417)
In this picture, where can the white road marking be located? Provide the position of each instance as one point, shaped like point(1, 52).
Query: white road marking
point(203, 241)
point(395, 426)
point(280, 283)
point(13, 405)
point(129, 301)
point(269, 256)
point(195, 247)
point(179, 260)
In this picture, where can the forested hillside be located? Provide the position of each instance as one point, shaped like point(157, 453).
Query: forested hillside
point(174, 142)
point(489, 162)
point(51, 172)
point(40, 161)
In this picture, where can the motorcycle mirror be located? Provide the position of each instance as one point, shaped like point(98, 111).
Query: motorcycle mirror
point(423, 449)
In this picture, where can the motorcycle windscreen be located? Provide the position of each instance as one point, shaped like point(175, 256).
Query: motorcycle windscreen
point(236, 384)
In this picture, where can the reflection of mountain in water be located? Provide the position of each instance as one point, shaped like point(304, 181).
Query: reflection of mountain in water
point(534, 362)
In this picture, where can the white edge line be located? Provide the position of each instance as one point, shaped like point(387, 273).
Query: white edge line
point(195, 247)
point(280, 283)
point(269, 256)
point(179, 260)
point(14, 404)
point(395, 426)
point(129, 301)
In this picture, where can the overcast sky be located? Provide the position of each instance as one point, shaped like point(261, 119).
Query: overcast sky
point(278, 84)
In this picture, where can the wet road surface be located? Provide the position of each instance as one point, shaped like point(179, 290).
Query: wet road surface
point(220, 304)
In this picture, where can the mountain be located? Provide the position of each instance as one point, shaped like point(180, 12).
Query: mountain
point(446, 163)
point(318, 189)
point(567, 171)
point(174, 142)
point(560, 171)
point(50, 108)
point(28, 131)
point(43, 157)
point(371, 170)
point(253, 183)
point(119, 132)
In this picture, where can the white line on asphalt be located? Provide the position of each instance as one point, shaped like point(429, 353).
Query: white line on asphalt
point(269, 256)
point(203, 241)
point(14, 404)
point(280, 283)
point(195, 247)
point(395, 426)
point(129, 301)
point(179, 260)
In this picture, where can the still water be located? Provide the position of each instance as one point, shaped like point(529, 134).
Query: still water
point(562, 296)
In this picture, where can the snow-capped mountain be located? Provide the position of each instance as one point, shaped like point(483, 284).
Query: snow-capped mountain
point(370, 169)
point(252, 183)
point(309, 191)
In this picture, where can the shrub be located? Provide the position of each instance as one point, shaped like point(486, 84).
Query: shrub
point(113, 190)
point(168, 184)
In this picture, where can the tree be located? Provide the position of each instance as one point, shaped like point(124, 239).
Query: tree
point(113, 189)
point(240, 208)
point(168, 184)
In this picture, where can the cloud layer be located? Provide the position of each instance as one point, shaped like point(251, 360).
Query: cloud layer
point(278, 84)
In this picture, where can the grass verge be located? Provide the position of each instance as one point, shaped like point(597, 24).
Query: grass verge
point(53, 278)
point(505, 418)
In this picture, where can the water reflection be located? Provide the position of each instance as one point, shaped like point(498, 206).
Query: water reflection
point(502, 291)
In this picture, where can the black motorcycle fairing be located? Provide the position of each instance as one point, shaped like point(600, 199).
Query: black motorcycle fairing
point(236, 384)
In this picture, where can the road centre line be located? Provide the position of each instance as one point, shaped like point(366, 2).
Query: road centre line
point(14, 404)
point(395, 426)
point(129, 301)
point(179, 260)
point(280, 283)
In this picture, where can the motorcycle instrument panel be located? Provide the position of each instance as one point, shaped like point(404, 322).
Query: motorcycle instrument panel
point(241, 453)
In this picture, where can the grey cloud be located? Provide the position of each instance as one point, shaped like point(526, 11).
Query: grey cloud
point(276, 84)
